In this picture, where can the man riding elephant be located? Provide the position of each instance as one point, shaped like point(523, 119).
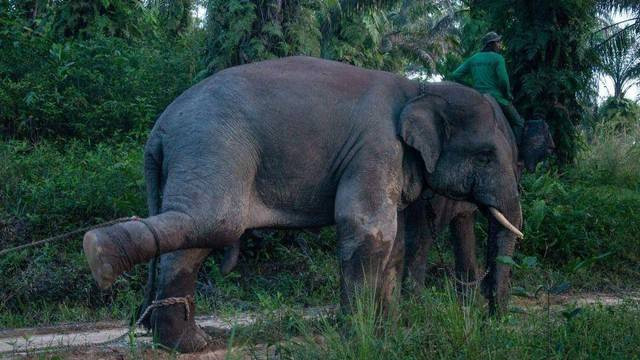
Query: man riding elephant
point(489, 76)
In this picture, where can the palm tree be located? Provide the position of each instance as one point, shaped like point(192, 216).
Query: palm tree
point(620, 60)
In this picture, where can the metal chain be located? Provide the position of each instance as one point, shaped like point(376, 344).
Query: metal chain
point(469, 283)
point(186, 300)
point(422, 88)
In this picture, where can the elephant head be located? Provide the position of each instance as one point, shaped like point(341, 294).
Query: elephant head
point(537, 143)
point(469, 153)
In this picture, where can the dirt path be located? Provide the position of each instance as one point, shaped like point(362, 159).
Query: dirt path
point(114, 340)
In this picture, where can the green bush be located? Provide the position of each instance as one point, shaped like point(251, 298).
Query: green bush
point(589, 216)
point(566, 221)
point(92, 88)
point(50, 189)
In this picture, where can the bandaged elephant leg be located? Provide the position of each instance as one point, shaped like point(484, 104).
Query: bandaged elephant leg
point(172, 321)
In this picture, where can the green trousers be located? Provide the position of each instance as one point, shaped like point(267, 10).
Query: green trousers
point(515, 120)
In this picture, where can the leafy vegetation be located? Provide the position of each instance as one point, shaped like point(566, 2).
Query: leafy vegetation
point(93, 89)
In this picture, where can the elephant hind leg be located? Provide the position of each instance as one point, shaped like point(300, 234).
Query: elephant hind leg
point(173, 325)
point(112, 250)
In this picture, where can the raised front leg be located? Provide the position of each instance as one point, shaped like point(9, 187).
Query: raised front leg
point(174, 325)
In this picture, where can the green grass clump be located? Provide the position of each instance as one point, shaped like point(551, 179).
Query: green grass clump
point(434, 325)
point(611, 156)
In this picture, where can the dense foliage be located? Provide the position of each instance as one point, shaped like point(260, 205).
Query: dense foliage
point(90, 87)
point(550, 59)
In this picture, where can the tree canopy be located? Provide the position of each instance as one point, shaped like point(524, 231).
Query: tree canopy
point(97, 68)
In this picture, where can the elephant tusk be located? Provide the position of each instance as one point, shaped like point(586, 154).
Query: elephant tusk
point(504, 222)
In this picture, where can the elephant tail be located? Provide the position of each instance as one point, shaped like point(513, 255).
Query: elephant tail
point(153, 173)
point(153, 177)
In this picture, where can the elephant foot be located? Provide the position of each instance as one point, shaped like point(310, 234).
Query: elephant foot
point(105, 258)
point(175, 328)
point(115, 249)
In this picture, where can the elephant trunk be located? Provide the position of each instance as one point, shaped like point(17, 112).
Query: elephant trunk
point(502, 242)
point(114, 249)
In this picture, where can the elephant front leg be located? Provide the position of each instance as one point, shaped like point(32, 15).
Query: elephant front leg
point(371, 258)
point(463, 239)
point(418, 241)
point(173, 322)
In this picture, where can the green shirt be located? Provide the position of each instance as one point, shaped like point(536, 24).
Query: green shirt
point(489, 74)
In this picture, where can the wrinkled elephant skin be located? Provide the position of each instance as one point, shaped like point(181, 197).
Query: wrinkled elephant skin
point(303, 142)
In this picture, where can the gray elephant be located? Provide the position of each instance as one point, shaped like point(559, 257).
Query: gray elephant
point(432, 213)
point(303, 142)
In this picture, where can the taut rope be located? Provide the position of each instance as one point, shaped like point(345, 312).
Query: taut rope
point(66, 235)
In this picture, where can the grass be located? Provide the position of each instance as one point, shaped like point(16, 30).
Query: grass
point(435, 325)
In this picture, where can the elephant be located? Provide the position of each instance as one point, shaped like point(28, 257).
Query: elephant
point(432, 213)
point(303, 142)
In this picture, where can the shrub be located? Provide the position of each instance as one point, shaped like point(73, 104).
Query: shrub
point(92, 88)
point(619, 113)
point(569, 223)
point(50, 189)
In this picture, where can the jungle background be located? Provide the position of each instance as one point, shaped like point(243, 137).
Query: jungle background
point(82, 82)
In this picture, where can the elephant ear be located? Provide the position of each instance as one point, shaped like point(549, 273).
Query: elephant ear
point(419, 127)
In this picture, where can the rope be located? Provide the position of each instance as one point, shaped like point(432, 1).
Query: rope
point(66, 235)
point(156, 238)
point(187, 300)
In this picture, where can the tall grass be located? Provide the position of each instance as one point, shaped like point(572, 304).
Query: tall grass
point(611, 155)
point(434, 325)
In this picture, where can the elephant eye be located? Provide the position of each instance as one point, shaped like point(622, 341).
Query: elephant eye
point(484, 158)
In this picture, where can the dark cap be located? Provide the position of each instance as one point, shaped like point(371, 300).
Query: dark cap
point(491, 37)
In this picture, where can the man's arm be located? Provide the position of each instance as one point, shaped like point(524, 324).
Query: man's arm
point(503, 79)
point(458, 74)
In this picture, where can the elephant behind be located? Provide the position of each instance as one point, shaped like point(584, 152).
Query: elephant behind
point(303, 142)
point(433, 213)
